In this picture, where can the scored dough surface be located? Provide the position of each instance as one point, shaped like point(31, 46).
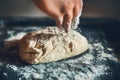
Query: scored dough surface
point(51, 44)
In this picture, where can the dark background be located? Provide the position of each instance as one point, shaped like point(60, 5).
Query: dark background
point(92, 8)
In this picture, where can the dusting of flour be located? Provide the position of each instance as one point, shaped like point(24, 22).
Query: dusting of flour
point(97, 63)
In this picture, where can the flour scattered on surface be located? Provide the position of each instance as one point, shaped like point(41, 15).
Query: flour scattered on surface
point(5, 74)
point(14, 37)
point(13, 67)
point(97, 63)
point(13, 34)
point(36, 75)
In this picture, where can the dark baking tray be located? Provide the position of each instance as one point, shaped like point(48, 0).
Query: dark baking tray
point(100, 62)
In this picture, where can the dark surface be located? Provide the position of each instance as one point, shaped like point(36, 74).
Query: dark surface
point(97, 63)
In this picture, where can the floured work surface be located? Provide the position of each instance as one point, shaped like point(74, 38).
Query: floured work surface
point(98, 63)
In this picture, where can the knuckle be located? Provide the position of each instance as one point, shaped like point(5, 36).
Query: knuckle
point(68, 5)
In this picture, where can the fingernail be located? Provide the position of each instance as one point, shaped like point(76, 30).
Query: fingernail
point(69, 26)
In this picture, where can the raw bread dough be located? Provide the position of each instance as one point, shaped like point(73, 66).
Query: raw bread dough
point(51, 44)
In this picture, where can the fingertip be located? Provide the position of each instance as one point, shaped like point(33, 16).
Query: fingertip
point(59, 22)
point(67, 26)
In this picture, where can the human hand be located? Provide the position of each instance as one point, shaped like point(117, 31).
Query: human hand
point(63, 11)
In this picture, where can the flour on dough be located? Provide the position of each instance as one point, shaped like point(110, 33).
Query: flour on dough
point(51, 44)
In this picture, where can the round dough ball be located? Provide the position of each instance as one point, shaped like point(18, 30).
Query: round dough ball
point(51, 44)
